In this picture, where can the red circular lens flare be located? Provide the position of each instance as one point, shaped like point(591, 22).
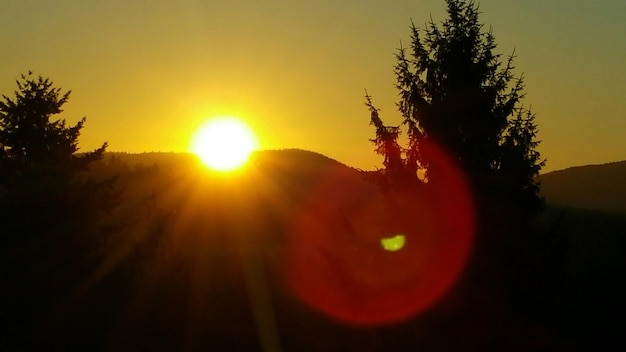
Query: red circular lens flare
point(361, 261)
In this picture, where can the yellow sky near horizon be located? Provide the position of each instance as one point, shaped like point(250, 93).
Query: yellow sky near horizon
point(147, 73)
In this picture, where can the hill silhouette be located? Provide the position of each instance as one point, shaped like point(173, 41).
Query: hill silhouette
point(184, 247)
point(198, 260)
point(595, 187)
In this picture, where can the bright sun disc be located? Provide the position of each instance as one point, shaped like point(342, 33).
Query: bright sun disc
point(223, 143)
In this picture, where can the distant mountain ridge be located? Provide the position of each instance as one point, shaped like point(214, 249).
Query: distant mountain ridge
point(291, 154)
point(597, 187)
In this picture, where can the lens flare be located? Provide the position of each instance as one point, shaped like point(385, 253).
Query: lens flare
point(362, 260)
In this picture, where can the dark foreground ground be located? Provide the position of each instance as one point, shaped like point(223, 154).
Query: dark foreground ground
point(188, 264)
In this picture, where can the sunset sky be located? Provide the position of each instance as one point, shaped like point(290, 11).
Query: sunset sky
point(147, 73)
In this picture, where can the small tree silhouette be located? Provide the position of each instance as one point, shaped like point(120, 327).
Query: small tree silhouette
point(42, 186)
point(455, 91)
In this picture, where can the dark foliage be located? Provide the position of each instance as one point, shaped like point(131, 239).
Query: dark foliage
point(457, 92)
point(50, 211)
point(195, 256)
point(42, 176)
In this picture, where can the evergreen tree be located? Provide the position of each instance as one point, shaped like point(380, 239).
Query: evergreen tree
point(42, 182)
point(456, 91)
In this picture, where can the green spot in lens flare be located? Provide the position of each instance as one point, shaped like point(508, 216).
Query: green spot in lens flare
point(394, 243)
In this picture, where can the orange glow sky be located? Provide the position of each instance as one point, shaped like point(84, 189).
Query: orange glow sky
point(147, 73)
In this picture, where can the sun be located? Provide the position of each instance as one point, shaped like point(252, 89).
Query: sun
point(224, 143)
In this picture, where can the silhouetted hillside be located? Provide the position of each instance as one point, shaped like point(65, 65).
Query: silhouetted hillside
point(163, 159)
point(597, 187)
point(197, 260)
point(287, 160)
point(173, 265)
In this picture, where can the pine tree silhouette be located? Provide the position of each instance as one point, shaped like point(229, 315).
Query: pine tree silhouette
point(456, 91)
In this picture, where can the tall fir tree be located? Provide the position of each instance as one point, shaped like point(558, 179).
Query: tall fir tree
point(455, 91)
